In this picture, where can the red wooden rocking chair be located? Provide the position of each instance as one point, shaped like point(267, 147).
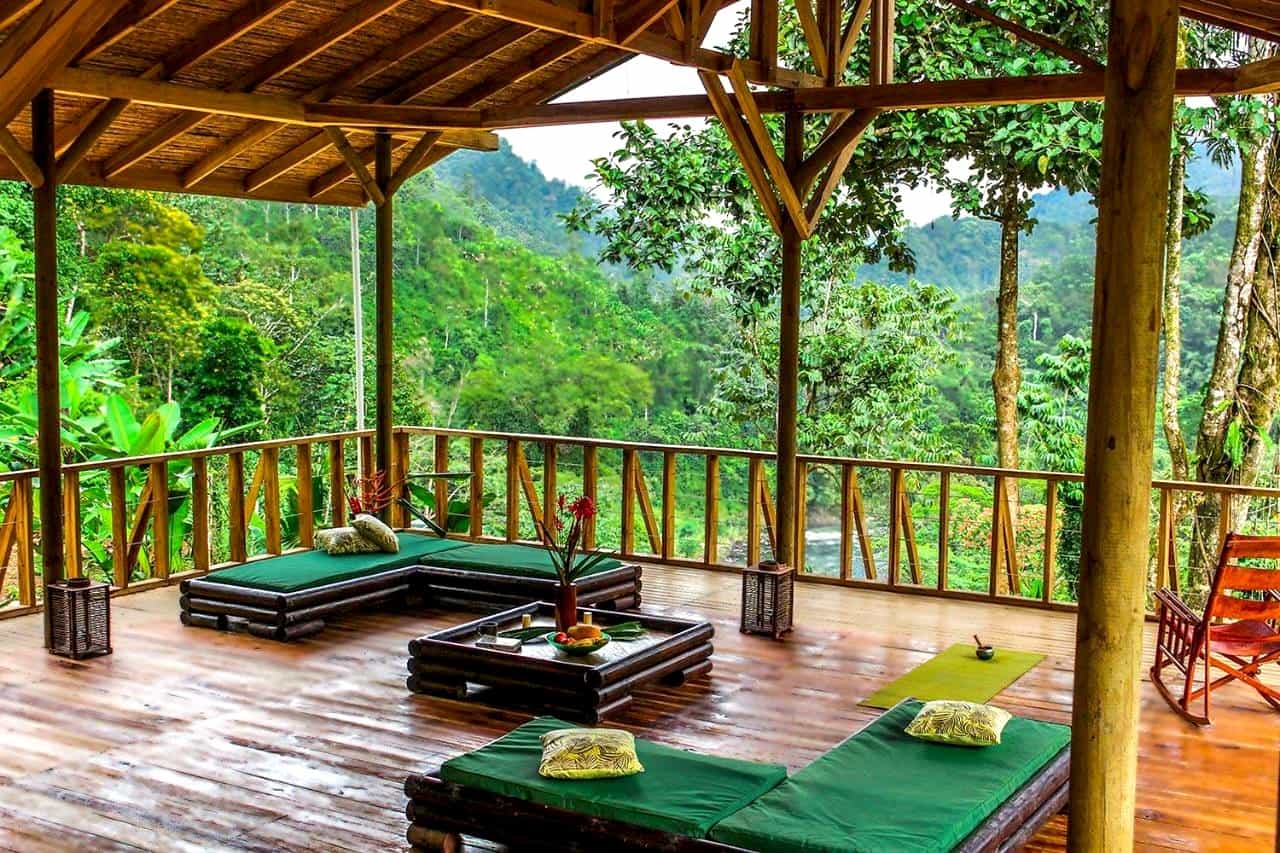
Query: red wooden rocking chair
point(1238, 634)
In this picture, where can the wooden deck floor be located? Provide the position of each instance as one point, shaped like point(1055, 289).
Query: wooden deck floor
point(188, 739)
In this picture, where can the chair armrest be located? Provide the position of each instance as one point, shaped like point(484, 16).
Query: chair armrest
point(1175, 607)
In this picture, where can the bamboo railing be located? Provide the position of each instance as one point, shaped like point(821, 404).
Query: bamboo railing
point(957, 531)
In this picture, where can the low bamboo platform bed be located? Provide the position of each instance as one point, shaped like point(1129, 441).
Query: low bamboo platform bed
point(290, 596)
point(879, 791)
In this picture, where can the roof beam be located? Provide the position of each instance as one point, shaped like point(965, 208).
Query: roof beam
point(13, 11)
point(358, 167)
point(21, 159)
point(553, 17)
point(98, 84)
point(475, 53)
point(1080, 58)
point(1212, 82)
point(125, 22)
point(387, 58)
point(296, 54)
point(46, 40)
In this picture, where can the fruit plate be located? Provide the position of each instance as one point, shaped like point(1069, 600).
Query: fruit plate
point(578, 649)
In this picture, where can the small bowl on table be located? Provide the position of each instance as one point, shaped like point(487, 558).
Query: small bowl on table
point(578, 649)
point(985, 652)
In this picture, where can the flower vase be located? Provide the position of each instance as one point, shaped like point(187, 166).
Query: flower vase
point(566, 606)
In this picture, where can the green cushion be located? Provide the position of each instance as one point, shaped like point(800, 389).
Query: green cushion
point(529, 561)
point(307, 569)
point(679, 792)
point(882, 790)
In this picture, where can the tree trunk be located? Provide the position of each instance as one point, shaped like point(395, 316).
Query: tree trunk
point(1215, 461)
point(1006, 380)
point(1173, 434)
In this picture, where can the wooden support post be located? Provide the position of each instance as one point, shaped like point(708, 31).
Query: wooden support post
point(550, 497)
point(944, 528)
point(513, 490)
point(630, 461)
point(384, 302)
point(755, 482)
point(48, 395)
point(1132, 206)
point(789, 357)
point(271, 499)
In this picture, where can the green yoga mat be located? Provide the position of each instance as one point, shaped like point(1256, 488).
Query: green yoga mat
point(956, 674)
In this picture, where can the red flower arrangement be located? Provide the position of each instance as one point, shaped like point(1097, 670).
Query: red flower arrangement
point(570, 559)
point(368, 495)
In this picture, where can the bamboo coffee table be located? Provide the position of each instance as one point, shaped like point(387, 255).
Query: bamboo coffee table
point(583, 689)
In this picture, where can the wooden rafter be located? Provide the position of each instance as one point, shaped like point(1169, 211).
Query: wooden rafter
point(47, 39)
point(242, 21)
point(475, 53)
point(15, 11)
point(21, 159)
point(786, 191)
point(298, 52)
point(858, 124)
point(812, 35)
point(850, 37)
point(1080, 58)
point(128, 19)
point(421, 39)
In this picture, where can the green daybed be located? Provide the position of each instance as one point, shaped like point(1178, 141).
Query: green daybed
point(289, 596)
point(878, 792)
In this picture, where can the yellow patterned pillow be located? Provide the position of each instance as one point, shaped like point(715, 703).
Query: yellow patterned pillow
point(589, 754)
point(959, 723)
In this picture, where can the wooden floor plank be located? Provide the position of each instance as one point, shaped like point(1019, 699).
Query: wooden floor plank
point(188, 739)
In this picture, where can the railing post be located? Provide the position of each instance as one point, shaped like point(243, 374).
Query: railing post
point(846, 522)
point(550, 497)
point(801, 514)
point(630, 460)
point(305, 486)
point(337, 483)
point(236, 518)
point(270, 463)
point(440, 463)
point(944, 528)
point(590, 487)
point(895, 525)
point(119, 527)
point(1050, 540)
point(71, 523)
point(24, 520)
point(668, 505)
point(755, 479)
point(513, 490)
point(200, 512)
point(997, 537)
point(475, 496)
point(399, 478)
point(711, 516)
point(159, 477)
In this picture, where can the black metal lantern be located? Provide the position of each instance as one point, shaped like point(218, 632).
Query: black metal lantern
point(80, 615)
point(768, 593)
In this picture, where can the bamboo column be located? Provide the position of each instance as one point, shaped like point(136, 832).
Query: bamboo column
point(384, 298)
point(49, 404)
point(1132, 206)
point(789, 357)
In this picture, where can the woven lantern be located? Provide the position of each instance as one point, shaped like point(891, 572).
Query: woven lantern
point(80, 615)
point(768, 593)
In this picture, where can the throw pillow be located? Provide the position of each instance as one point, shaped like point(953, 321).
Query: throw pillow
point(376, 531)
point(960, 723)
point(344, 540)
point(589, 754)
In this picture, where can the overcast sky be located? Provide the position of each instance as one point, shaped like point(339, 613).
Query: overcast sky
point(566, 152)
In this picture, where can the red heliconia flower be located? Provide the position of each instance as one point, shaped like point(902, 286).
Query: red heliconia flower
point(583, 508)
